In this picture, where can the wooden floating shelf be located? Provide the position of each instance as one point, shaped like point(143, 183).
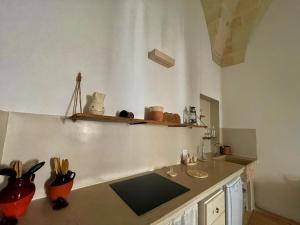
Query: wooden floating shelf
point(116, 119)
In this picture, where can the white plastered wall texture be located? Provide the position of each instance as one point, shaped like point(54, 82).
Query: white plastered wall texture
point(44, 44)
point(263, 94)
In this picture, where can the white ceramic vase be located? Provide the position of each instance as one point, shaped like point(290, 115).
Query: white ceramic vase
point(97, 105)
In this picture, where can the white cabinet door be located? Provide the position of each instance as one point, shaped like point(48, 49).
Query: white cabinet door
point(212, 210)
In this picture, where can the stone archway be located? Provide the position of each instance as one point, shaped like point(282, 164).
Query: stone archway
point(230, 24)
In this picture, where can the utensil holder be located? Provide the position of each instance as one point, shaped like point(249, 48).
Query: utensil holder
point(60, 190)
point(16, 196)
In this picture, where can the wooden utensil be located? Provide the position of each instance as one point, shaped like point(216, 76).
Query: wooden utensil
point(56, 163)
point(59, 166)
point(18, 168)
point(55, 166)
point(65, 166)
point(15, 167)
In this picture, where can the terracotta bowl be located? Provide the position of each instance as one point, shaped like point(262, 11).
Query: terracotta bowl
point(16, 208)
point(62, 191)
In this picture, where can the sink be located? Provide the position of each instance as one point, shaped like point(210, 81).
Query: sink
point(236, 159)
point(248, 163)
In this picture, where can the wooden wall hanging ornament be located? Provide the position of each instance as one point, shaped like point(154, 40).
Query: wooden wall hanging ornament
point(77, 94)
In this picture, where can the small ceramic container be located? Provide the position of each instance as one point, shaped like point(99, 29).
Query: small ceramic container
point(225, 150)
point(156, 113)
point(97, 105)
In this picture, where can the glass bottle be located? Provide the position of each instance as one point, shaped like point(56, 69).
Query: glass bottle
point(213, 132)
point(193, 115)
point(186, 116)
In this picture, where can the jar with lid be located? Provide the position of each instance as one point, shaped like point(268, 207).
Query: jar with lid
point(156, 113)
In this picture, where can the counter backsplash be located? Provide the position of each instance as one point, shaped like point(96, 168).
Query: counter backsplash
point(99, 151)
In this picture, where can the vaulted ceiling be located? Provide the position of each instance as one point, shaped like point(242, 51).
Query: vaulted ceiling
point(230, 24)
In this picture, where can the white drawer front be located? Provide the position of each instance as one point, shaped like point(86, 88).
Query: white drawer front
point(214, 208)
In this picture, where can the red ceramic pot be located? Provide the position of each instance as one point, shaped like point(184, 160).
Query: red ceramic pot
point(16, 196)
point(62, 191)
point(61, 186)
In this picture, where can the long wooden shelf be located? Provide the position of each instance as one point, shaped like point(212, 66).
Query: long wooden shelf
point(116, 119)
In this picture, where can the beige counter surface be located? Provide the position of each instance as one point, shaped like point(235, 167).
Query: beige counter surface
point(99, 204)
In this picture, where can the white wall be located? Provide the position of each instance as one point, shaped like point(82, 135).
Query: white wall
point(44, 44)
point(263, 93)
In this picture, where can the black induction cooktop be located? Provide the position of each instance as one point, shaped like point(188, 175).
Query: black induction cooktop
point(145, 193)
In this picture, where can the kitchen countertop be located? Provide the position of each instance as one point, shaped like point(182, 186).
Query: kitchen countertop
point(99, 204)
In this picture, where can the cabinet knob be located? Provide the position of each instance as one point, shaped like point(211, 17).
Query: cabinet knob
point(217, 210)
